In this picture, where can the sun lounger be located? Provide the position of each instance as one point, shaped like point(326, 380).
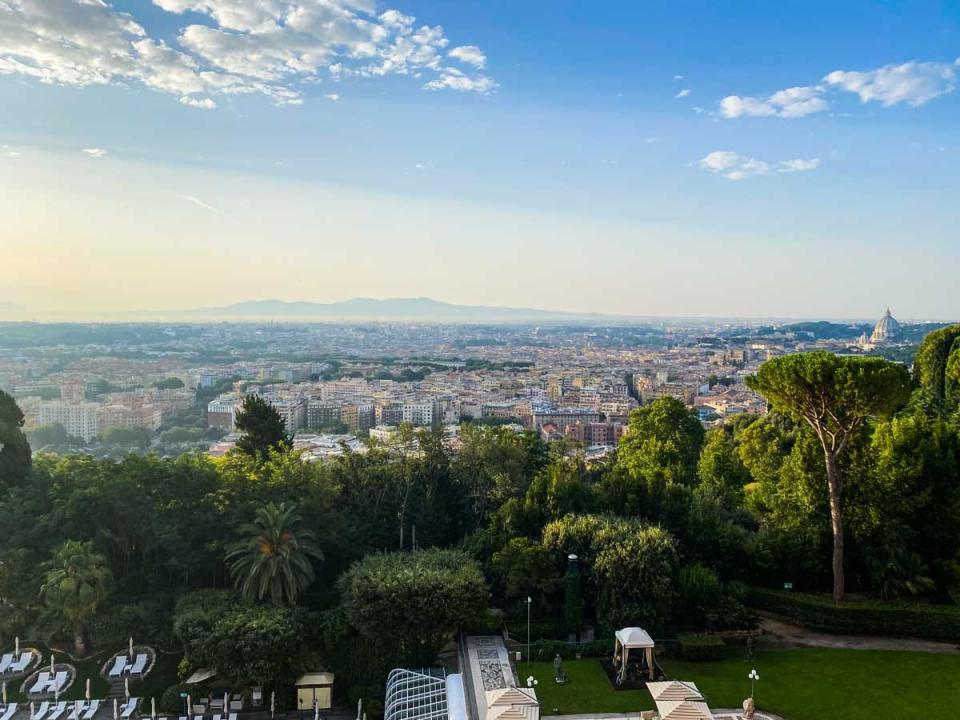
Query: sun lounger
point(184, 717)
point(91, 711)
point(22, 663)
point(198, 717)
point(232, 716)
point(218, 716)
point(5, 662)
point(9, 712)
point(139, 665)
point(42, 683)
point(119, 663)
point(41, 710)
point(78, 708)
point(127, 710)
point(59, 682)
point(57, 711)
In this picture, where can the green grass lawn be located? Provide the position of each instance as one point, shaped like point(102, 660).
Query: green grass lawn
point(800, 684)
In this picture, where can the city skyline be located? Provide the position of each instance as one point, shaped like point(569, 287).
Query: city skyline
point(637, 161)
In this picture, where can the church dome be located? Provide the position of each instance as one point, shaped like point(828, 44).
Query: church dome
point(886, 329)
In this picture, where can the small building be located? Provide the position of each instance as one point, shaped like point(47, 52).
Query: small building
point(315, 687)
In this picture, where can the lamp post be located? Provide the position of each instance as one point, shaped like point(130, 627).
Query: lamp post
point(529, 603)
point(753, 678)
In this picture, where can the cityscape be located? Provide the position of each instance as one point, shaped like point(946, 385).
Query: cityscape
point(479, 360)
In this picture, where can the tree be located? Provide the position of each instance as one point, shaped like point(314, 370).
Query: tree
point(262, 428)
point(720, 470)
point(15, 456)
point(936, 367)
point(76, 582)
point(404, 607)
point(835, 396)
point(275, 559)
point(662, 442)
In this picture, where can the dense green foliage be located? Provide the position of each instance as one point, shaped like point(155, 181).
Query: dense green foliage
point(75, 583)
point(14, 448)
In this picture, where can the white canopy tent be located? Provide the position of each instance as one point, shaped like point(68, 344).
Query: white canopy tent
point(632, 638)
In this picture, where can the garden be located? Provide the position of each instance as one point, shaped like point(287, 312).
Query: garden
point(797, 683)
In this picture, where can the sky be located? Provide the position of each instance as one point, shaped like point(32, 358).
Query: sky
point(748, 159)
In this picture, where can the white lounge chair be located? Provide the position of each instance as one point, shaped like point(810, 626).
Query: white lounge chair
point(9, 712)
point(198, 717)
point(22, 664)
point(57, 711)
point(42, 710)
point(6, 661)
point(232, 716)
point(218, 716)
point(119, 663)
point(91, 711)
point(128, 707)
point(139, 665)
point(42, 683)
point(78, 708)
point(59, 682)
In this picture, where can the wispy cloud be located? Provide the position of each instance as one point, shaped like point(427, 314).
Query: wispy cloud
point(912, 83)
point(95, 152)
point(470, 54)
point(194, 200)
point(735, 166)
point(683, 93)
point(332, 96)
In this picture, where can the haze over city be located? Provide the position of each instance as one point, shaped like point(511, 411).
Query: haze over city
point(642, 159)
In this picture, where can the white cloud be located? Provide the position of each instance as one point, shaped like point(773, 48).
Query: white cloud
point(202, 103)
point(453, 79)
point(332, 96)
point(789, 103)
point(683, 93)
point(95, 152)
point(470, 54)
point(798, 165)
point(272, 47)
point(678, 77)
point(735, 166)
point(914, 83)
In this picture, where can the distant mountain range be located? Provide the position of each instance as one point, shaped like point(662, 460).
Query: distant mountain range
point(417, 309)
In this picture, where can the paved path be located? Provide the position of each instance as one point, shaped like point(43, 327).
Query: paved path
point(795, 635)
point(719, 714)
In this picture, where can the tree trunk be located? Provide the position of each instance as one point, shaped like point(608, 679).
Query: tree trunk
point(835, 491)
point(80, 640)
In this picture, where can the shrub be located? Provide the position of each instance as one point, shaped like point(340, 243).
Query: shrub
point(702, 648)
point(700, 594)
point(170, 700)
point(934, 622)
point(548, 649)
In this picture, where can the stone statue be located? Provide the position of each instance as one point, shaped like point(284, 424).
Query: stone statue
point(748, 709)
point(558, 674)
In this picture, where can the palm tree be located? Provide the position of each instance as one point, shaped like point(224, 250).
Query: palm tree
point(274, 560)
point(77, 580)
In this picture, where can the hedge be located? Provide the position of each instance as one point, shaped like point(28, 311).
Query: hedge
point(548, 649)
point(932, 622)
point(702, 648)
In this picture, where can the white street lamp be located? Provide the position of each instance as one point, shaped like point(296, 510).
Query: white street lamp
point(753, 678)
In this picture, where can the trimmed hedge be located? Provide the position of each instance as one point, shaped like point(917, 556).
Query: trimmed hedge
point(548, 649)
point(931, 622)
point(702, 648)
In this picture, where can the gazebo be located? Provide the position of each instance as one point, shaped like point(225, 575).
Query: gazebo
point(632, 638)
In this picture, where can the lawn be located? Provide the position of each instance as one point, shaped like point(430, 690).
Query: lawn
point(800, 684)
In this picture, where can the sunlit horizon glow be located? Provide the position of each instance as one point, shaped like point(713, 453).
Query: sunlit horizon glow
point(431, 153)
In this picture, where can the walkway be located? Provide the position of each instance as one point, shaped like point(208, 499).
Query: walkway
point(795, 635)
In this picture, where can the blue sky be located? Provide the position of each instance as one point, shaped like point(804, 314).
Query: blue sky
point(675, 158)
